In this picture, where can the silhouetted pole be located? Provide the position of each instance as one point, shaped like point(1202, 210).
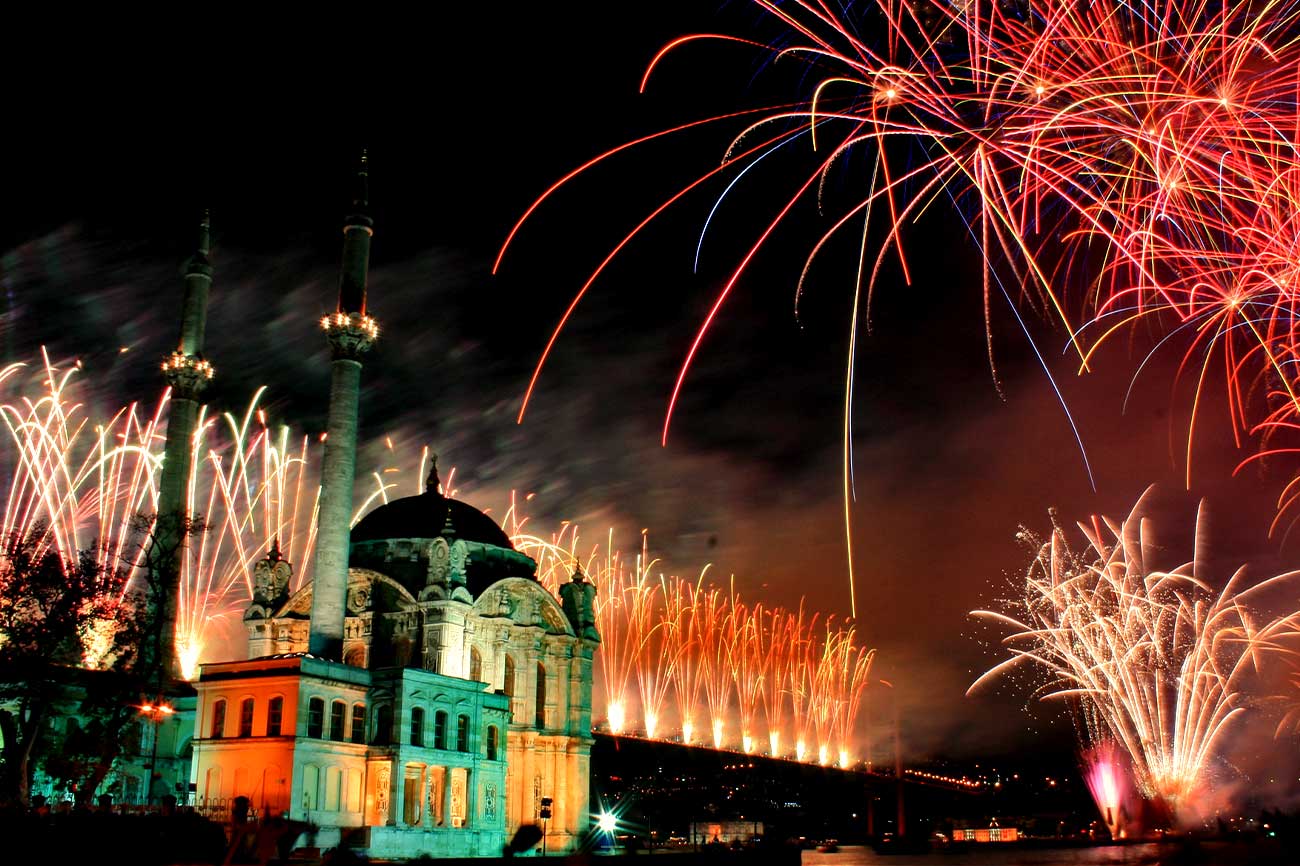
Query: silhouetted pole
point(898, 765)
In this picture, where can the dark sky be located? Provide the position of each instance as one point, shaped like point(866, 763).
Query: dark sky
point(112, 149)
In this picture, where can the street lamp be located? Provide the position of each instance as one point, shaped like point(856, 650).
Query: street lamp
point(156, 711)
point(545, 815)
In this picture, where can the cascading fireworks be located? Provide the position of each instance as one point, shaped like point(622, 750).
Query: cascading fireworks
point(1158, 658)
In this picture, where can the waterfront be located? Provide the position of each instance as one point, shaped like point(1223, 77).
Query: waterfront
point(1205, 854)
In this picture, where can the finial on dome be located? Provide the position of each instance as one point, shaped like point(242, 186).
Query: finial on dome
point(274, 553)
point(433, 484)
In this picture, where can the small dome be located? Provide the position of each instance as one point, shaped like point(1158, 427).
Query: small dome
point(425, 516)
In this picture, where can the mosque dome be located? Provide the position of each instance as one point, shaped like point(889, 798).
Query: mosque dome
point(433, 539)
point(430, 515)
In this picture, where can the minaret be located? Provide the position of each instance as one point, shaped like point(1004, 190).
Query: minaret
point(188, 374)
point(351, 333)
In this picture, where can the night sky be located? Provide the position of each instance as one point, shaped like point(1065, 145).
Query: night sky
point(466, 124)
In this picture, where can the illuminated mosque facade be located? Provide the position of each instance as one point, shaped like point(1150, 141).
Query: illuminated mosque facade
point(424, 694)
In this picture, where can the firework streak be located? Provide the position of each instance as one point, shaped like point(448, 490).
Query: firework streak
point(1117, 163)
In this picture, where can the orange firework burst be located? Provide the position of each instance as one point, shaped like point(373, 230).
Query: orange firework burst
point(1159, 658)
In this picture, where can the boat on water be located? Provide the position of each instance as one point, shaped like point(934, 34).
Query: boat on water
point(829, 846)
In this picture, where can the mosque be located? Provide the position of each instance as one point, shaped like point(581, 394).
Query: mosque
point(425, 694)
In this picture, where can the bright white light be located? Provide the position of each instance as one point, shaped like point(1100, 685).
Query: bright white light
point(605, 822)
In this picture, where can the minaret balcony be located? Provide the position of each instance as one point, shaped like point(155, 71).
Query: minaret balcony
point(350, 334)
point(187, 374)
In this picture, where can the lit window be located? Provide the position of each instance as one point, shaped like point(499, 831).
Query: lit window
point(541, 696)
point(492, 742)
point(440, 729)
point(462, 733)
point(315, 718)
point(274, 716)
point(358, 723)
point(338, 715)
point(417, 726)
point(383, 725)
point(218, 720)
point(246, 717)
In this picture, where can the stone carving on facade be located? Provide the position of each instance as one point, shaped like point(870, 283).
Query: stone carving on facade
point(537, 794)
point(457, 799)
point(381, 793)
point(490, 802)
point(437, 582)
point(358, 599)
point(271, 577)
point(505, 605)
point(458, 559)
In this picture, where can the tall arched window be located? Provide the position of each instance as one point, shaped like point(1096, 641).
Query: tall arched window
point(440, 729)
point(338, 717)
point(383, 725)
point(246, 717)
point(417, 726)
point(462, 733)
point(315, 718)
point(540, 716)
point(475, 664)
point(492, 742)
point(508, 686)
point(218, 719)
point(358, 723)
point(274, 716)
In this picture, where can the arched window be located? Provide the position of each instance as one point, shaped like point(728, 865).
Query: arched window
point(440, 729)
point(541, 696)
point(315, 718)
point(509, 685)
point(274, 716)
point(462, 733)
point(475, 664)
point(417, 726)
point(492, 742)
point(218, 719)
point(383, 725)
point(338, 716)
point(358, 723)
point(246, 717)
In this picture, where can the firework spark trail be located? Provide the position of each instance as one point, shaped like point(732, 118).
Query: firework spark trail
point(1159, 656)
point(688, 682)
point(778, 631)
point(1111, 157)
point(660, 652)
point(72, 489)
point(744, 650)
point(853, 672)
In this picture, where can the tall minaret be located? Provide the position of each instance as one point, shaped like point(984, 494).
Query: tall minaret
point(351, 333)
point(187, 373)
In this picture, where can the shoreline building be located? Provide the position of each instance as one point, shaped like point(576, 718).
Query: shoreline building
point(425, 692)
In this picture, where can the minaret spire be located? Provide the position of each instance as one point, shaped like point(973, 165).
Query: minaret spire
point(351, 332)
point(187, 373)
